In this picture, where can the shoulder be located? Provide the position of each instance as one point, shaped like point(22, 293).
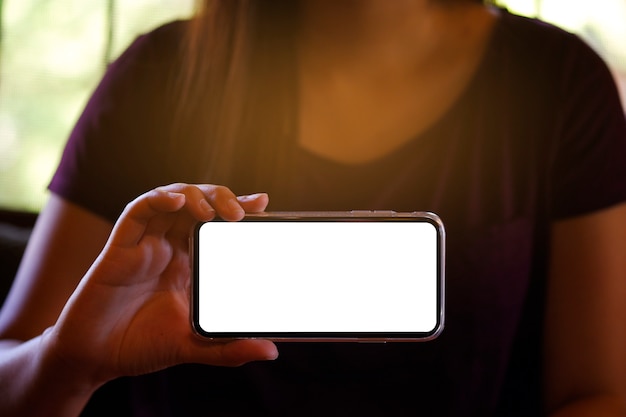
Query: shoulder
point(139, 81)
point(538, 62)
point(544, 48)
point(126, 120)
point(158, 49)
point(149, 61)
point(558, 101)
point(532, 33)
point(144, 71)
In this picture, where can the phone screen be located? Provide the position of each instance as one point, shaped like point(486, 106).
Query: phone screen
point(301, 278)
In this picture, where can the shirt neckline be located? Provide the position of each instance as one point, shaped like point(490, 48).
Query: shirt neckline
point(425, 137)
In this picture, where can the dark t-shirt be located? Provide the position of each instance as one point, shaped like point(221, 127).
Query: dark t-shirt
point(538, 135)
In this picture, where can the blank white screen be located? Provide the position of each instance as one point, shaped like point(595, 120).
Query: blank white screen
point(369, 276)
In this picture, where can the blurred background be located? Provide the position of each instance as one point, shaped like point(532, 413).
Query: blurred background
point(53, 53)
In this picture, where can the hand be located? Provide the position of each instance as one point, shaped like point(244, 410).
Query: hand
point(130, 313)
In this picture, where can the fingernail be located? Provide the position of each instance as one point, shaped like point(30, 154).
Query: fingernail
point(244, 198)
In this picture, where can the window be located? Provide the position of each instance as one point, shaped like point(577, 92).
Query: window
point(53, 54)
point(55, 51)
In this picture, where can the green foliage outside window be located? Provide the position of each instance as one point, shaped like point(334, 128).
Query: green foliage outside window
point(54, 52)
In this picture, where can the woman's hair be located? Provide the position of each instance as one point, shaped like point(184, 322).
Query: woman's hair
point(236, 89)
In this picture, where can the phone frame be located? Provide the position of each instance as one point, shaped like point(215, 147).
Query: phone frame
point(332, 216)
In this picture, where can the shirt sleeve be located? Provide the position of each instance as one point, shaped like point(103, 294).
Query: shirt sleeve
point(589, 158)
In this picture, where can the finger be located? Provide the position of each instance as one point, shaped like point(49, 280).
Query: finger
point(204, 201)
point(132, 223)
point(234, 353)
point(254, 203)
point(195, 201)
point(223, 201)
point(242, 351)
point(197, 207)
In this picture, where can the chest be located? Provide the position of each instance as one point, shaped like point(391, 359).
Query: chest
point(356, 121)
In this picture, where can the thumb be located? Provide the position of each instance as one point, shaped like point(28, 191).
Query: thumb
point(232, 353)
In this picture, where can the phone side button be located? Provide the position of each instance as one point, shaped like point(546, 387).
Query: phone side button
point(373, 213)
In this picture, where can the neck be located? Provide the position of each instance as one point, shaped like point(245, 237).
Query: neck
point(375, 33)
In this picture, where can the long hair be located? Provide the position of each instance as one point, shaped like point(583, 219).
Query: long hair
point(235, 90)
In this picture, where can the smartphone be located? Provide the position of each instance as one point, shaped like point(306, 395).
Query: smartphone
point(373, 276)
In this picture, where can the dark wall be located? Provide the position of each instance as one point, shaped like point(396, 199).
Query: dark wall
point(15, 228)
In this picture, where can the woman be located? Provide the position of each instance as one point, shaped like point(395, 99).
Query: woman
point(511, 130)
